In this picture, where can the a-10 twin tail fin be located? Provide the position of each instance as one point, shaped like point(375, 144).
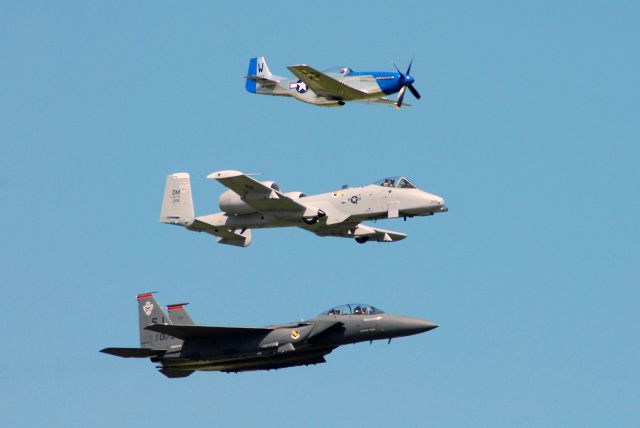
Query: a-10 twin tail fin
point(177, 204)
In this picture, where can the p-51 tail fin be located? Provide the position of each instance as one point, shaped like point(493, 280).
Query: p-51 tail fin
point(258, 75)
point(177, 204)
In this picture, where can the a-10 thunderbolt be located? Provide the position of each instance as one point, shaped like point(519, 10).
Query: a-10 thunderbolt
point(331, 88)
point(180, 347)
point(251, 204)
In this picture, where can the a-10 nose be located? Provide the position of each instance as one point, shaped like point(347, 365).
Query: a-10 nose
point(434, 200)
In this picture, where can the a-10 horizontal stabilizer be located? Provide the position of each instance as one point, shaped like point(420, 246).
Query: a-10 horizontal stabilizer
point(132, 352)
point(192, 332)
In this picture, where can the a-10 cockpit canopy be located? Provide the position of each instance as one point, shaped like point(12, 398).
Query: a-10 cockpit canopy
point(396, 182)
point(353, 309)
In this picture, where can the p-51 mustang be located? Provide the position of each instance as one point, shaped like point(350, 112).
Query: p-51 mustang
point(180, 347)
point(333, 87)
point(251, 204)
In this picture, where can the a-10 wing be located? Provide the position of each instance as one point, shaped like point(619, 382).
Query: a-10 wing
point(325, 86)
point(361, 233)
point(259, 196)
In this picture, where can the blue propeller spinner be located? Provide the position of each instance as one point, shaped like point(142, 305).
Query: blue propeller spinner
point(406, 80)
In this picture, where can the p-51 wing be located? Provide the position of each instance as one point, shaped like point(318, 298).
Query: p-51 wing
point(383, 101)
point(325, 86)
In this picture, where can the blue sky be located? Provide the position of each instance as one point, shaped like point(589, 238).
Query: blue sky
point(528, 126)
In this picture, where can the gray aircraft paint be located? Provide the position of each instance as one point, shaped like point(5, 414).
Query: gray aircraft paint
point(150, 312)
point(231, 349)
point(178, 314)
point(263, 205)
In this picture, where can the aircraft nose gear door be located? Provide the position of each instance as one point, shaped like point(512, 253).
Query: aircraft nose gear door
point(393, 209)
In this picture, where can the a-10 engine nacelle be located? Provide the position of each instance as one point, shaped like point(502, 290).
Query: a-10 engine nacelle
point(231, 203)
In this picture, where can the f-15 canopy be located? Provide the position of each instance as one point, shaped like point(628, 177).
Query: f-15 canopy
point(353, 309)
point(397, 182)
point(181, 347)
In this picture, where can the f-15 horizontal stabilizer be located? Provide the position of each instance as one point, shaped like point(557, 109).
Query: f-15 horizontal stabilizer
point(132, 352)
point(192, 332)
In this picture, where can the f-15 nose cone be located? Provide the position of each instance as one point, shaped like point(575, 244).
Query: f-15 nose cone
point(424, 325)
point(416, 325)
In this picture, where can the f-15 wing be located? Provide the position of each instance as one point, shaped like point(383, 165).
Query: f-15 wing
point(192, 332)
point(325, 86)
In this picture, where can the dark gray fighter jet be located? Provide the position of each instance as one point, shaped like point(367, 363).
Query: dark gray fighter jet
point(180, 347)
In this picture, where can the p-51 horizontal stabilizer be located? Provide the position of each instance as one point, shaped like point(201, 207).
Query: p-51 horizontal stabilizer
point(132, 352)
point(262, 81)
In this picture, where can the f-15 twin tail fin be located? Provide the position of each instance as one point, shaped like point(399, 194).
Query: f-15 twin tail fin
point(149, 313)
point(152, 344)
point(179, 315)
